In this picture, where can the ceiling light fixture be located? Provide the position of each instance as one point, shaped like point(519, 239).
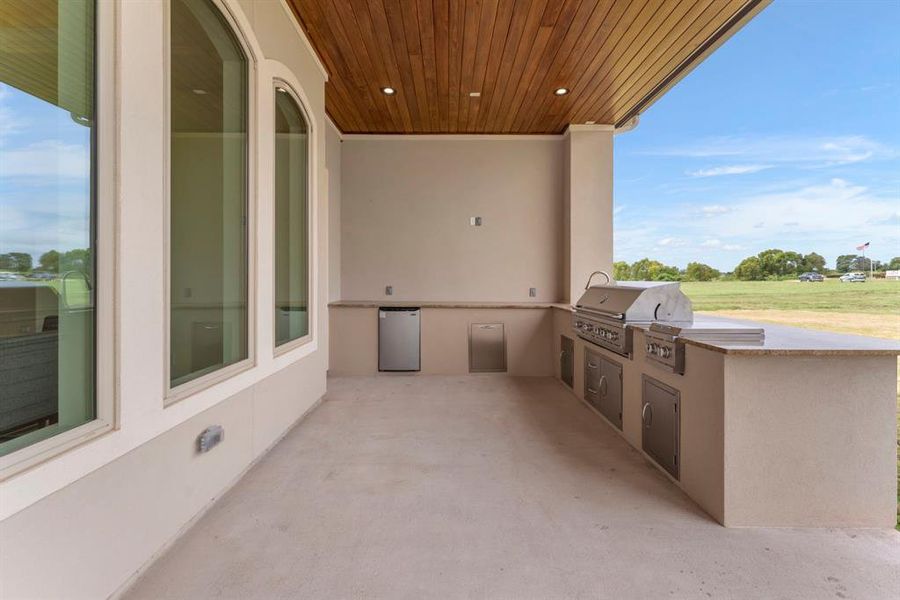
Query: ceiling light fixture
point(561, 91)
point(474, 94)
point(388, 91)
point(589, 122)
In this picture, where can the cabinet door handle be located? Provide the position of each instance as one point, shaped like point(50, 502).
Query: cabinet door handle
point(604, 387)
point(646, 411)
point(591, 390)
point(592, 365)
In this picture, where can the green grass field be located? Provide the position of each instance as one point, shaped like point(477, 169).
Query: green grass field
point(870, 308)
point(875, 296)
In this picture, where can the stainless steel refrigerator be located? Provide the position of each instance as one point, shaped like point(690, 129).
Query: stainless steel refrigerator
point(398, 339)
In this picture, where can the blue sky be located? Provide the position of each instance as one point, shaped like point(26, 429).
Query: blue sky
point(788, 136)
point(44, 176)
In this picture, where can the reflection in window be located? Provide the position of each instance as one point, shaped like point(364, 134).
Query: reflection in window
point(209, 88)
point(47, 347)
point(291, 220)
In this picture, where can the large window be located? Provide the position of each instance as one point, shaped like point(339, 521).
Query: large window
point(47, 219)
point(208, 196)
point(291, 219)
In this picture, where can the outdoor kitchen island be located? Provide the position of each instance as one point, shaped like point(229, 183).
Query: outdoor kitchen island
point(796, 430)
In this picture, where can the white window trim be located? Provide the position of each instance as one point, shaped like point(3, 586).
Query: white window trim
point(171, 394)
point(280, 75)
point(311, 313)
point(105, 310)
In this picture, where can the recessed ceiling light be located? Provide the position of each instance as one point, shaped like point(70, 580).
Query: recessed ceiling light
point(199, 92)
point(561, 91)
point(474, 94)
point(389, 91)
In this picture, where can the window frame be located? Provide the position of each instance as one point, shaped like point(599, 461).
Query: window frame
point(175, 394)
point(104, 208)
point(288, 346)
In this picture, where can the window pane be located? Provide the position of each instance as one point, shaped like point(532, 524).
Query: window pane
point(291, 229)
point(209, 84)
point(47, 347)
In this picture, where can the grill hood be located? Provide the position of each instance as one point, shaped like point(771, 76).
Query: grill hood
point(637, 301)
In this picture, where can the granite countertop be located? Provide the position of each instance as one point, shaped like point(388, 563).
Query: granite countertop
point(442, 304)
point(783, 340)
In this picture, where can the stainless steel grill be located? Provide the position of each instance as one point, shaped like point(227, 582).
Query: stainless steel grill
point(603, 312)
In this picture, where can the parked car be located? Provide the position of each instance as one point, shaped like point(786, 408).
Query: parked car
point(812, 277)
point(853, 278)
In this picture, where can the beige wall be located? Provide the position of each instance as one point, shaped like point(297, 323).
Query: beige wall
point(810, 441)
point(589, 205)
point(333, 164)
point(445, 340)
point(78, 525)
point(405, 209)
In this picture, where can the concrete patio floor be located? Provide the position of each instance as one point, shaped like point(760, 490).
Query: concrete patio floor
point(488, 487)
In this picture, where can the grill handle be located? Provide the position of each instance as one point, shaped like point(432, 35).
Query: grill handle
point(604, 273)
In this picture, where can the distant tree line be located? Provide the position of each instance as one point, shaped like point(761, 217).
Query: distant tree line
point(51, 261)
point(767, 265)
point(653, 270)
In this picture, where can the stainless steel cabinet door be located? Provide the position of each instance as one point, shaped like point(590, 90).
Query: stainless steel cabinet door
point(661, 424)
point(487, 348)
point(567, 360)
point(611, 391)
point(603, 386)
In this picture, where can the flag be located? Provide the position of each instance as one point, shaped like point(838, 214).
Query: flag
point(863, 247)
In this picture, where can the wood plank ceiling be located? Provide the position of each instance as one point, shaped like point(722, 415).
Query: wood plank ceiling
point(615, 57)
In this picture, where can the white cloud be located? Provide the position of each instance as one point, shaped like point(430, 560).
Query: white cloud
point(715, 209)
point(728, 170)
point(712, 243)
point(48, 158)
point(809, 151)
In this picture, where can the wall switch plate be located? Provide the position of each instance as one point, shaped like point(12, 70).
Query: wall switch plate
point(532, 292)
point(388, 290)
point(210, 438)
point(475, 221)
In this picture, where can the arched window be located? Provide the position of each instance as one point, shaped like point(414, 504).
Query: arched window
point(208, 194)
point(292, 247)
point(48, 219)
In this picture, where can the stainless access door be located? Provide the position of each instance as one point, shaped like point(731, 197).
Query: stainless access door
point(399, 339)
point(487, 348)
point(603, 386)
point(661, 424)
point(611, 391)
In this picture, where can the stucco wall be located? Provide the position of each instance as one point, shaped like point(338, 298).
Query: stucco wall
point(80, 524)
point(405, 210)
point(333, 147)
